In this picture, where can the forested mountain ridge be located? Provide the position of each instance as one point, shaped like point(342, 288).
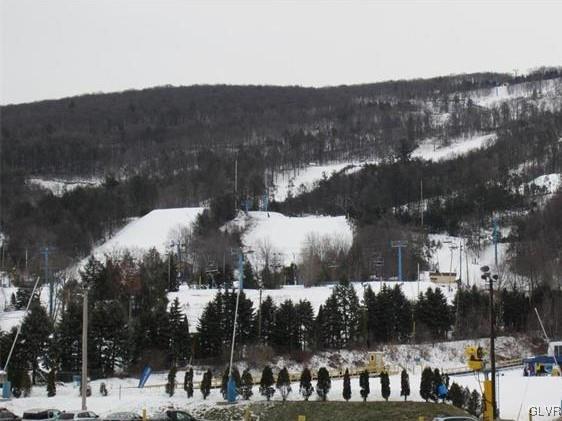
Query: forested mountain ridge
point(170, 147)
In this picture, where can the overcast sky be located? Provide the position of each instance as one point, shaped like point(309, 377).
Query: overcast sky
point(53, 49)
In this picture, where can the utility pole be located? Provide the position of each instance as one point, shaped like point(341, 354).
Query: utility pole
point(486, 275)
point(84, 377)
point(496, 239)
point(400, 244)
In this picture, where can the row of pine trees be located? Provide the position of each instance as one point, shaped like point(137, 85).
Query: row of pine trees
point(268, 385)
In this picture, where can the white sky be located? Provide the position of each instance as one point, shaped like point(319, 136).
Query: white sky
point(52, 49)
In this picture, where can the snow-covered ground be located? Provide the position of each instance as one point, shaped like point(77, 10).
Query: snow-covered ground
point(60, 186)
point(193, 301)
point(516, 393)
point(491, 97)
point(283, 237)
point(291, 181)
point(155, 229)
point(428, 149)
point(550, 183)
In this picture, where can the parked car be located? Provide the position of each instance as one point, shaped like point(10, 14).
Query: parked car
point(174, 415)
point(41, 415)
point(123, 416)
point(6, 415)
point(78, 415)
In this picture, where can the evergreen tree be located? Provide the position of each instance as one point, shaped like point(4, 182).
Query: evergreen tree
point(267, 382)
point(286, 330)
point(347, 309)
point(455, 395)
point(206, 384)
point(267, 315)
point(250, 281)
point(67, 337)
point(180, 341)
point(35, 332)
point(324, 383)
point(426, 390)
point(247, 383)
point(306, 387)
point(188, 382)
point(304, 323)
point(51, 383)
point(473, 404)
point(346, 386)
point(364, 385)
point(22, 298)
point(404, 384)
point(436, 380)
point(171, 384)
point(385, 385)
point(284, 383)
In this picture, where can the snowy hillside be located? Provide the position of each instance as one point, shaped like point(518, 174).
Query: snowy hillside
point(291, 182)
point(156, 229)
point(283, 237)
point(546, 91)
point(60, 186)
point(428, 149)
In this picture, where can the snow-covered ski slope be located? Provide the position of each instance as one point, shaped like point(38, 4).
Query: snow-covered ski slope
point(61, 186)
point(155, 229)
point(284, 237)
point(428, 149)
point(290, 182)
point(548, 93)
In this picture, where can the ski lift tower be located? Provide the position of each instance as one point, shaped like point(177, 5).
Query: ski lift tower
point(399, 244)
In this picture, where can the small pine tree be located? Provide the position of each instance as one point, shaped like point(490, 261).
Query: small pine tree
point(188, 382)
point(436, 380)
point(404, 384)
point(346, 386)
point(364, 384)
point(284, 383)
point(425, 384)
point(266, 383)
point(51, 383)
point(306, 387)
point(247, 383)
point(206, 384)
point(385, 385)
point(103, 389)
point(171, 385)
point(324, 383)
point(26, 384)
point(473, 404)
point(455, 395)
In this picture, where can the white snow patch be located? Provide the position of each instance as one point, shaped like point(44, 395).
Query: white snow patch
point(428, 150)
point(293, 181)
point(155, 229)
point(550, 183)
point(285, 235)
point(59, 186)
